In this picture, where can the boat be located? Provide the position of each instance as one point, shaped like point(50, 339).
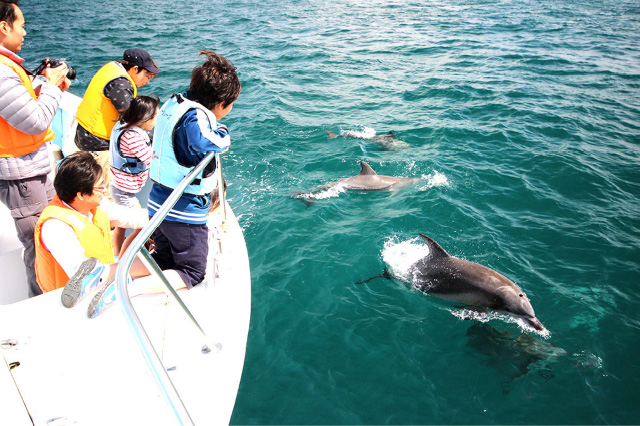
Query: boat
point(173, 358)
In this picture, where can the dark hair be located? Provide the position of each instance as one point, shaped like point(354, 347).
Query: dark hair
point(8, 11)
point(214, 82)
point(76, 173)
point(128, 65)
point(141, 109)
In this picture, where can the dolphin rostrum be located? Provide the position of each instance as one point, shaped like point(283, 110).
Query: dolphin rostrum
point(442, 275)
point(386, 140)
point(366, 180)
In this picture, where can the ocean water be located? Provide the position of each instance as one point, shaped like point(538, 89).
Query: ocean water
point(522, 121)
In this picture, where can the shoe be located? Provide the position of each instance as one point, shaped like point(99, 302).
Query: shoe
point(85, 280)
point(103, 298)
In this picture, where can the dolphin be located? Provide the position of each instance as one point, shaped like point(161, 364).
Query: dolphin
point(514, 356)
point(447, 277)
point(387, 140)
point(366, 180)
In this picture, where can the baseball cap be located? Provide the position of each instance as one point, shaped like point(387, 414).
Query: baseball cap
point(141, 58)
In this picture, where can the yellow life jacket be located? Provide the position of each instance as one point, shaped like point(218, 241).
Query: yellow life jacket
point(14, 143)
point(94, 236)
point(96, 113)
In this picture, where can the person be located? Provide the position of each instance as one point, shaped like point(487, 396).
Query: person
point(73, 239)
point(25, 119)
point(187, 129)
point(73, 233)
point(130, 157)
point(109, 95)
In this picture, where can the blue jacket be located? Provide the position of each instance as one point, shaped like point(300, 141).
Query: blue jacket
point(177, 149)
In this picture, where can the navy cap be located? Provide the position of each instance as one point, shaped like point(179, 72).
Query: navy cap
point(141, 58)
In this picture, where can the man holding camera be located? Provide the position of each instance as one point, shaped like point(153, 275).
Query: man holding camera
point(108, 95)
point(25, 119)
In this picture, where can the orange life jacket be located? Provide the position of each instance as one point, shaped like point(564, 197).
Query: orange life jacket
point(94, 236)
point(14, 143)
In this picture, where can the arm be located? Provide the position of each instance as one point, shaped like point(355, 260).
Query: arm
point(204, 136)
point(120, 93)
point(125, 217)
point(22, 112)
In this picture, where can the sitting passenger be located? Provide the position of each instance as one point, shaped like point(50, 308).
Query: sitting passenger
point(73, 234)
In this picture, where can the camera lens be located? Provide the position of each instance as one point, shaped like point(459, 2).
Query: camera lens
point(71, 74)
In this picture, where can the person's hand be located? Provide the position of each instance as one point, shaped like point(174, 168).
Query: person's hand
point(57, 76)
point(65, 84)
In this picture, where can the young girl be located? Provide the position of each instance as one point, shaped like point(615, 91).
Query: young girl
point(130, 157)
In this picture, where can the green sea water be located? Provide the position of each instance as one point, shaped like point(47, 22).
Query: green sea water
point(522, 121)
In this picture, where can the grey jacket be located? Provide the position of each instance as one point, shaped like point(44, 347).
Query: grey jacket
point(30, 116)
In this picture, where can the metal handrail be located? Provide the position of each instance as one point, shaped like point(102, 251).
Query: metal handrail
point(151, 357)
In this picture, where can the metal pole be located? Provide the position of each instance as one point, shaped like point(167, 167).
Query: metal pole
point(151, 357)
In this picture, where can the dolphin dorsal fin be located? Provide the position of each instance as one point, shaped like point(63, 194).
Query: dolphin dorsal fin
point(366, 169)
point(434, 248)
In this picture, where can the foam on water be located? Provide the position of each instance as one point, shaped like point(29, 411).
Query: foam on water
point(331, 192)
point(434, 180)
point(400, 255)
point(365, 133)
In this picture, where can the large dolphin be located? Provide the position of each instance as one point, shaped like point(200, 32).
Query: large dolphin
point(442, 275)
point(386, 140)
point(366, 180)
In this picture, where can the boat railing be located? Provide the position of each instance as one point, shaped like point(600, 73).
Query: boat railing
point(154, 362)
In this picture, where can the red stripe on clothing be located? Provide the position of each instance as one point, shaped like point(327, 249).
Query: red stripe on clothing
point(132, 145)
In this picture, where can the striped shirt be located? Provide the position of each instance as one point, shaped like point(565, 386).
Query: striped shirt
point(132, 145)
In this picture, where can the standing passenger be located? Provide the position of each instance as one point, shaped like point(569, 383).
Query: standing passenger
point(187, 129)
point(130, 157)
point(25, 119)
point(109, 95)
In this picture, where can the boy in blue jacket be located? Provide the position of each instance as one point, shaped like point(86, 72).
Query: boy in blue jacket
point(187, 129)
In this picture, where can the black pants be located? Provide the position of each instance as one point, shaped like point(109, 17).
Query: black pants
point(183, 247)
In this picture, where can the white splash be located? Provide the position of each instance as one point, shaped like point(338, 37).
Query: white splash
point(365, 133)
point(331, 192)
point(434, 180)
point(400, 255)
point(470, 314)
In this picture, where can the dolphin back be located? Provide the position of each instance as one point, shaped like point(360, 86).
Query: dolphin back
point(366, 169)
point(434, 248)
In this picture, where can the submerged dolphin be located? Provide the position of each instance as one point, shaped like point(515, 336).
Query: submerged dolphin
point(366, 180)
point(387, 140)
point(458, 280)
point(514, 355)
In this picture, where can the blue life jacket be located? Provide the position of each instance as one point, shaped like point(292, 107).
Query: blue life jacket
point(166, 170)
point(130, 165)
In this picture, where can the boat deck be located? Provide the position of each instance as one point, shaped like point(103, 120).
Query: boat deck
point(92, 372)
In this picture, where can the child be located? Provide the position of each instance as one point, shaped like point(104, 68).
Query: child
point(186, 131)
point(130, 157)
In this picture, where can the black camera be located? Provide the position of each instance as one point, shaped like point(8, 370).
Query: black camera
point(54, 63)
